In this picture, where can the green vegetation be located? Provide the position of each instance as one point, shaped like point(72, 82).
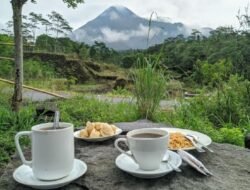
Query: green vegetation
point(33, 70)
point(150, 86)
point(223, 115)
point(80, 110)
point(181, 54)
point(120, 92)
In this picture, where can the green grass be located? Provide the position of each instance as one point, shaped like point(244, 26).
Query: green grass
point(120, 92)
point(149, 86)
point(80, 110)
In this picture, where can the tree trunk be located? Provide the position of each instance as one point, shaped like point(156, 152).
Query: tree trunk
point(18, 39)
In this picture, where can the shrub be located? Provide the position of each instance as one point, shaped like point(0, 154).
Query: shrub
point(232, 136)
point(37, 70)
point(128, 61)
point(212, 74)
point(149, 86)
point(231, 103)
point(6, 69)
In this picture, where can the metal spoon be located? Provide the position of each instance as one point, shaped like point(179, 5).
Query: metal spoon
point(56, 120)
point(197, 147)
point(198, 141)
point(166, 159)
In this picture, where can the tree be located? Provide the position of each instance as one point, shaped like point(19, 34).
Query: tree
point(26, 29)
point(17, 6)
point(47, 25)
point(33, 24)
point(59, 25)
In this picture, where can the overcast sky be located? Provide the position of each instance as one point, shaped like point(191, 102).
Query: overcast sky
point(205, 13)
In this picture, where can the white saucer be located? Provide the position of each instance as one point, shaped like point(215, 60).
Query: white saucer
point(128, 165)
point(97, 139)
point(24, 175)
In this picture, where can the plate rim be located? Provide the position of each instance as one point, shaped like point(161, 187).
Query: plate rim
point(136, 174)
point(190, 148)
point(54, 185)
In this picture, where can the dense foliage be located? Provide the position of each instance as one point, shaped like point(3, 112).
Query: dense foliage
point(33, 70)
point(181, 54)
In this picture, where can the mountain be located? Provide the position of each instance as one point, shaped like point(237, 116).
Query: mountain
point(121, 29)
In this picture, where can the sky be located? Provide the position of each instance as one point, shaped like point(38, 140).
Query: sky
point(202, 13)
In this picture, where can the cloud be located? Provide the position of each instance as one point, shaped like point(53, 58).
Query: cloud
point(111, 36)
point(211, 13)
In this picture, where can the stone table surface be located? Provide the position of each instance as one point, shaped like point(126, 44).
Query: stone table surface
point(230, 165)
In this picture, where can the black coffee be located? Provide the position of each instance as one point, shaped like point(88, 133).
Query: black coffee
point(147, 135)
point(52, 128)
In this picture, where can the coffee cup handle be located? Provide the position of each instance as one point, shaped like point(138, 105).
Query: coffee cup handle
point(20, 152)
point(123, 151)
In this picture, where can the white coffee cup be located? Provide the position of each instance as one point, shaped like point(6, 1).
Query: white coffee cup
point(52, 150)
point(147, 152)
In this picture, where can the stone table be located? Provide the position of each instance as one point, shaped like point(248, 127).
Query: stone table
point(229, 163)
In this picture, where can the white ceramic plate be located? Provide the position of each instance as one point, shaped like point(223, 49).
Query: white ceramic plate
point(128, 165)
point(98, 139)
point(204, 139)
point(24, 175)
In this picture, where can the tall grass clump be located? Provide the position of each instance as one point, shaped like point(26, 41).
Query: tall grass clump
point(149, 86)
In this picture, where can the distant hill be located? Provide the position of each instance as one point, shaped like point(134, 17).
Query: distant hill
point(121, 29)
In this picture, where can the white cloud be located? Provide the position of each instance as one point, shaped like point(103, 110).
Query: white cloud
point(113, 35)
point(110, 35)
point(211, 13)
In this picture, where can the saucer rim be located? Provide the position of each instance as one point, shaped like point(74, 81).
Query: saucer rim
point(152, 173)
point(54, 185)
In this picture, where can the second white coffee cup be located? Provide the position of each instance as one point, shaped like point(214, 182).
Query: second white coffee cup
point(147, 146)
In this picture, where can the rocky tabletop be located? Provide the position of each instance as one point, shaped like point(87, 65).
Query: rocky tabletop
point(230, 165)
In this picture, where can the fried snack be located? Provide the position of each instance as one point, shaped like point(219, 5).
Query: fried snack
point(106, 130)
point(98, 129)
point(178, 140)
point(84, 133)
point(94, 134)
point(89, 127)
point(98, 126)
point(114, 128)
